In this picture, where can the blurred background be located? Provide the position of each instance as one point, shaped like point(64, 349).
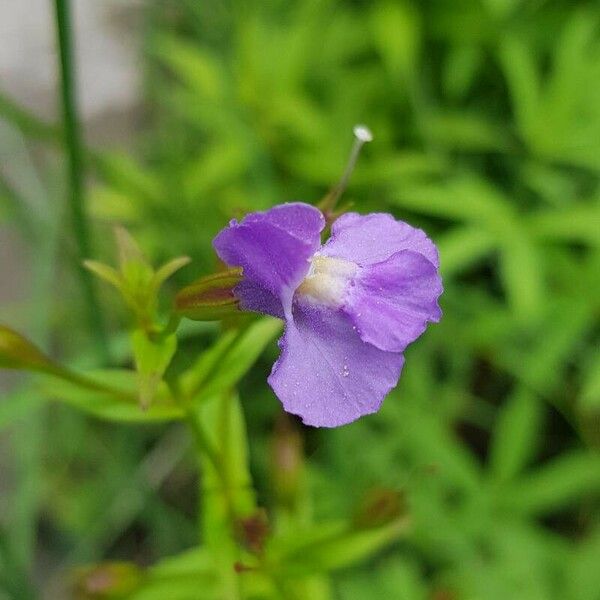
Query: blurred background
point(486, 115)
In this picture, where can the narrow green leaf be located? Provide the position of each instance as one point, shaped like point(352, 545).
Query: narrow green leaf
point(105, 272)
point(122, 407)
point(196, 67)
point(579, 224)
point(152, 357)
point(566, 480)
point(170, 268)
point(515, 435)
point(522, 274)
point(181, 577)
point(465, 131)
point(589, 398)
point(205, 364)
point(462, 247)
point(467, 198)
point(241, 356)
point(521, 74)
point(327, 547)
point(396, 34)
point(17, 352)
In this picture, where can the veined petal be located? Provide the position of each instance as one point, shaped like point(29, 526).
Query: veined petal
point(274, 249)
point(369, 239)
point(391, 302)
point(326, 374)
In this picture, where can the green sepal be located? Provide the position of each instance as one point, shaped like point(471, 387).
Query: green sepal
point(210, 298)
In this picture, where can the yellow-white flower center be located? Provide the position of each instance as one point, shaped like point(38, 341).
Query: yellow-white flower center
point(327, 280)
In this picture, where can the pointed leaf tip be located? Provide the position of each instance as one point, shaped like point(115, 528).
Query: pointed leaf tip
point(17, 352)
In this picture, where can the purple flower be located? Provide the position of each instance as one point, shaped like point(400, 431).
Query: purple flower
point(350, 306)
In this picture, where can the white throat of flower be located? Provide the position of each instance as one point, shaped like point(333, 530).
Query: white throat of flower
point(327, 280)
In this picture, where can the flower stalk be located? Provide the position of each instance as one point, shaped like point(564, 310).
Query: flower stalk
point(362, 135)
point(74, 151)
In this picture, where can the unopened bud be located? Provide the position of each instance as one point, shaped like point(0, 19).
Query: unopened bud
point(210, 298)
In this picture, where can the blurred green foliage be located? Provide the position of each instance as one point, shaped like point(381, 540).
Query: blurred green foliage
point(486, 116)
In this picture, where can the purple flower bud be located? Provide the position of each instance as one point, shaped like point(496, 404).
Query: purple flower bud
point(351, 305)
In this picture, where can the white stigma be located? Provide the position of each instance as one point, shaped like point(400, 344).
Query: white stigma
point(363, 133)
point(327, 280)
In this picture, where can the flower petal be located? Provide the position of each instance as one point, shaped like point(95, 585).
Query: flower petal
point(373, 238)
point(298, 218)
point(326, 374)
point(273, 248)
point(254, 297)
point(391, 302)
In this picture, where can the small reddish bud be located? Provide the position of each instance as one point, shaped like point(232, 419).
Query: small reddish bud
point(253, 531)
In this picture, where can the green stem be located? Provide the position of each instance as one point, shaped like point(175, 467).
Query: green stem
point(203, 443)
point(206, 448)
point(74, 149)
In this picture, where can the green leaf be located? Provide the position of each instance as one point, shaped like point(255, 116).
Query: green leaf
point(582, 569)
point(541, 367)
point(187, 576)
point(462, 247)
point(17, 352)
point(515, 435)
point(578, 224)
point(466, 198)
point(330, 546)
point(105, 272)
point(121, 406)
point(221, 164)
point(125, 175)
point(205, 364)
point(396, 34)
point(170, 268)
point(464, 131)
point(152, 357)
point(566, 480)
point(521, 74)
point(521, 272)
point(129, 251)
point(589, 398)
point(197, 68)
point(241, 356)
point(461, 68)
